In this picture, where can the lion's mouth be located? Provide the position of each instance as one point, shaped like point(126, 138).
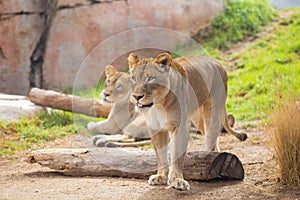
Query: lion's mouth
point(140, 105)
point(104, 99)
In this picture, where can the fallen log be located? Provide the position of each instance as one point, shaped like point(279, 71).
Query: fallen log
point(135, 163)
point(75, 104)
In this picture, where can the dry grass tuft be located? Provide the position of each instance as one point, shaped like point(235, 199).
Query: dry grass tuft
point(284, 133)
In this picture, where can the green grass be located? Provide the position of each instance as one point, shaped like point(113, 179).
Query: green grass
point(266, 71)
point(239, 19)
point(28, 134)
point(92, 92)
point(32, 133)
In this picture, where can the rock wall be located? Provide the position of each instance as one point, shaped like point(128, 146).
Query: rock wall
point(20, 27)
point(78, 27)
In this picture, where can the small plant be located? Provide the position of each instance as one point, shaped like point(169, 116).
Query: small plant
point(249, 125)
point(30, 133)
point(55, 119)
point(92, 92)
point(240, 19)
point(284, 133)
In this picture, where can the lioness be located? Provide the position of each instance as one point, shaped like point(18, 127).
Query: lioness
point(122, 118)
point(122, 121)
point(173, 92)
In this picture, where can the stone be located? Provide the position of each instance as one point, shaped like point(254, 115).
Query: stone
point(19, 33)
point(14, 107)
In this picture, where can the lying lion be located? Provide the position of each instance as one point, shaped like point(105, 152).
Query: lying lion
point(171, 93)
point(123, 123)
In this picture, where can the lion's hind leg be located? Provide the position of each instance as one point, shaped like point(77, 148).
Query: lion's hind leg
point(198, 121)
point(137, 129)
point(108, 127)
point(212, 125)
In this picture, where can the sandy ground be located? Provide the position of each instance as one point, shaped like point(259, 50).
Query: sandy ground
point(20, 180)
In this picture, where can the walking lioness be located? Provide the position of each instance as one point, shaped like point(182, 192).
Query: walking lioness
point(171, 93)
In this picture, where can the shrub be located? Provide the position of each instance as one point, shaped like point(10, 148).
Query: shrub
point(240, 18)
point(284, 133)
point(28, 133)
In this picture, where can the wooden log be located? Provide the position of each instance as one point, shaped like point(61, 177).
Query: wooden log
point(75, 104)
point(135, 163)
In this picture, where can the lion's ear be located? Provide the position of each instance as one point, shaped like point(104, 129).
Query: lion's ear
point(164, 60)
point(110, 71)
point(132, 60)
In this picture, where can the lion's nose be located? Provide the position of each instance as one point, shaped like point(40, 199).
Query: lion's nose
point(138, 97)
point(105, 94)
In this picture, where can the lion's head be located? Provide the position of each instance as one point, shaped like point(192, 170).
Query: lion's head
point(117, 86)
point(150, 78)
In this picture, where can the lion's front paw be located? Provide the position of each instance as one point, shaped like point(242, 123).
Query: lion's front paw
point(179, 184)
point(91, 126)
point(157, 180)
point(99, 140)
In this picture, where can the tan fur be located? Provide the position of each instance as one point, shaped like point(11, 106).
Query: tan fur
point(131, 124)
point(110, 71)
point(173, 92)
point(122, 119)
point(133, 61)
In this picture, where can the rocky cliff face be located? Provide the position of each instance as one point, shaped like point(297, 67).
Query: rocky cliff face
point(21, 25)
point(44, 42)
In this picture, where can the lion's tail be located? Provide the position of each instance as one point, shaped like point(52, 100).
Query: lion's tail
point(240, 135)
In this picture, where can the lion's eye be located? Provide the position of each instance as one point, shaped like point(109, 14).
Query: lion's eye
point(108, 81)
point(133, 79)
point(119, 86)
point(150, 78)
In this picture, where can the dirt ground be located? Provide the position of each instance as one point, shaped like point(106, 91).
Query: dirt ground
point(20, 180)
